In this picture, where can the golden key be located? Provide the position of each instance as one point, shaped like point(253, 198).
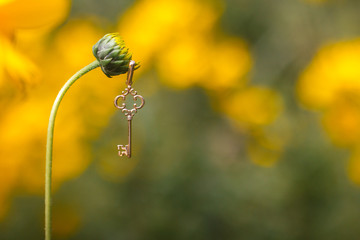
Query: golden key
point(129, 113)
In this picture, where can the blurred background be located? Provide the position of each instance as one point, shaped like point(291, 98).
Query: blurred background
point(251, 128)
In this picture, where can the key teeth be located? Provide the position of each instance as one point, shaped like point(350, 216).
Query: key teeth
point(123, 150)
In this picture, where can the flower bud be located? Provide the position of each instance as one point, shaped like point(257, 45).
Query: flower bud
point(113, 55)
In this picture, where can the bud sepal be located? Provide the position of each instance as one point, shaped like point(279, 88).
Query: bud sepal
point(113, 55)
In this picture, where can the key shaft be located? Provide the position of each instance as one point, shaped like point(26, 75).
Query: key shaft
point(129, 139)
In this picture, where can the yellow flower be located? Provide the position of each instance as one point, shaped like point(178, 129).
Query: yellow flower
point(15, 65)
point(342, 120)
point(199, 60)
point(22, 14)
point(23, 140)
point(179, 37)
point(252, 106)
point(253, 109)
point(185, 62)
point(334, 69)
point(331, 85)
point(19, 14)
point(230, 61)
point(150, 25)
point(21, 134)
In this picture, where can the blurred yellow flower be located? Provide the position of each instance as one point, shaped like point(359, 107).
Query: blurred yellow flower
point(15, 65)
point(19, 14)
point(334, 69)
point(252, 109)
point(342, 120)
point(23, 142)
point(198, 60)
point(331, 85)
point(230, 63)
point(151, 25)
point(21, 136)
point(252, 106)
point(23, 14)
point(184, 49)
point(185, 62)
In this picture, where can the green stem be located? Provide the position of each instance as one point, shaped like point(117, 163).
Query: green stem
point(49, 143)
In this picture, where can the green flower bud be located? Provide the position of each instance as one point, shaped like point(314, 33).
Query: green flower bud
point(113, 55)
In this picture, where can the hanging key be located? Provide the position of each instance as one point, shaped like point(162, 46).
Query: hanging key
point(129, 113)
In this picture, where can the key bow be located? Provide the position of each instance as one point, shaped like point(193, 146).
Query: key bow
point(129, 112)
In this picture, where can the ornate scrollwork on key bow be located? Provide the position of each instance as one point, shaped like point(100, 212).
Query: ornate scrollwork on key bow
point(129, 112)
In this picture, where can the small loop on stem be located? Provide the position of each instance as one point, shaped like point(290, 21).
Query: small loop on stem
point(130, 73)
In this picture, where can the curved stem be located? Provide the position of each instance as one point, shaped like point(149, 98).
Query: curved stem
point(49, 143)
